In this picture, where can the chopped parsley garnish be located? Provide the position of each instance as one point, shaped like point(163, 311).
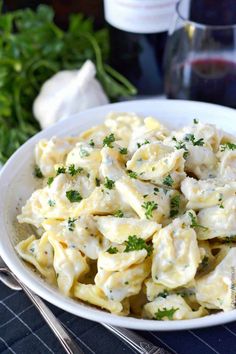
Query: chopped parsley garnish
point(135, 243)
point(194, 222)
point(123, 151)
point(168, 181)
point(97, 182)
point(109, 184)
point(149, 206)
point(174, 205)
point(74, 196)
point(169, 313)
point(91, 143)
point(181, 145)
point(229, 146)
point(112, 250)
point(51, 203)
point(164, 293)
point(74, 171)
point(61, 170)
point(145, 142)
point(71, 224)
point(50, 180)
point(221, 206)
point(156, 190)
point(191, 138)
point(108, 140)
point(37, 172)
point(132, 174)
point(83, 152)
point(119, 214)
point(195, 121)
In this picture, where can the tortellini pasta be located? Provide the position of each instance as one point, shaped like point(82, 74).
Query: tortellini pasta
point(136, 219)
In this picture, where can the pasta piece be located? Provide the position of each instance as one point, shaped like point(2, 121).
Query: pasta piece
point(119, 285)
point(227, 165)
point(216, 290)
point(155, 161)
point(112, 165)
point(173, 307)
point(51, 152)
point(68, 263)
point(218, 221)
point(95, 135)
point(95, 296)
point(176, 254)
point(120, 261)
point(206, 193)
point(119, 229)
point(39, 253)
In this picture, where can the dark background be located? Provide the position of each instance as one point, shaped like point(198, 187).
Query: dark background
point(63, 8)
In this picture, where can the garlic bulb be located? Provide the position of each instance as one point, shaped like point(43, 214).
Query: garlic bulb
point(68, 92)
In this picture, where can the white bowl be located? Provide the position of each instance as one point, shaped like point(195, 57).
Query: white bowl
point(17, 184)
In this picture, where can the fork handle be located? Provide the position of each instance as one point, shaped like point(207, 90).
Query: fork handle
point(66, 341)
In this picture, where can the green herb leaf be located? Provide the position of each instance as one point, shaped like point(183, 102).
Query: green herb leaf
point(195, 121)
point(37, 172)
point(191, 138)
point(74, 171)
point(61, 170)
point(109, 184)
point(119, 214)
point(71, 224)
point(135, 244)
point(108, 140)
point(194, 222)
point(74, 196)
point(174, 205)
point(123, 151)
point(149, 206)
point(112, 250)
point(168, 181)
point(228, 146)
point(145, 142)
point(169, 313)
point(97, 182)
point(132, 174)
point(91, 143)
point(50, 180)
point(51, 203)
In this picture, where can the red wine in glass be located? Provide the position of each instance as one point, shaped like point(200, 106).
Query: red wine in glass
point(209, 79)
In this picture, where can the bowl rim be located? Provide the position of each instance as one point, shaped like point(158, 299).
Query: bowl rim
point(10, 257)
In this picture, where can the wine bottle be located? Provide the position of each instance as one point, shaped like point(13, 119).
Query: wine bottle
point(138, 33)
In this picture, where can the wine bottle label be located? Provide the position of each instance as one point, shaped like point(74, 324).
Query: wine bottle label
point(140, 16)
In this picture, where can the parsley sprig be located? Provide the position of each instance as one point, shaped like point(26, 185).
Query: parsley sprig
point(135, 243)
point(112, 250)
point(169, 313)
point(149, 206)
point(194, 222)
point(74, 196)
point(132, 174)
point(71, 224)
point(191, 138)
point(108, 140)
point(119, 214)
point(109, 183)
point(174, 205)
point(38, 172)
point(227, 146)
point(123, 151)
point(168, 181)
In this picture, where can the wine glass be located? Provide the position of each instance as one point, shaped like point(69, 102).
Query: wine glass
point(200, 57)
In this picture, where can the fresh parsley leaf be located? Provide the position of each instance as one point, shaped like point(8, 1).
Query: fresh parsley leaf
point(51, 203)
point(181, 145)
point(163, 294)
point(74, 171)
point(112, 250)
point(174, 205)
point(108, 140)
point(38, 172)
point(169, 313)
point(119, 214)
point(149, 206)
point(61, 170)
point(123, 151)
point(229, 146)
point(168, 181)
point(74, 196)
point(141, 144)
point(91, 143)
point(109, 184)
point(132, 174)
point(50, 180)
point(194, 222)
point(191, 138)
point(195, 121)
point(135, 244)
point(71, 224)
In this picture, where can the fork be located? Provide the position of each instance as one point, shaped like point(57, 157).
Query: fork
point(135, 341)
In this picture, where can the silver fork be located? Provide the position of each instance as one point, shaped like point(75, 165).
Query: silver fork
point(135, 341)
